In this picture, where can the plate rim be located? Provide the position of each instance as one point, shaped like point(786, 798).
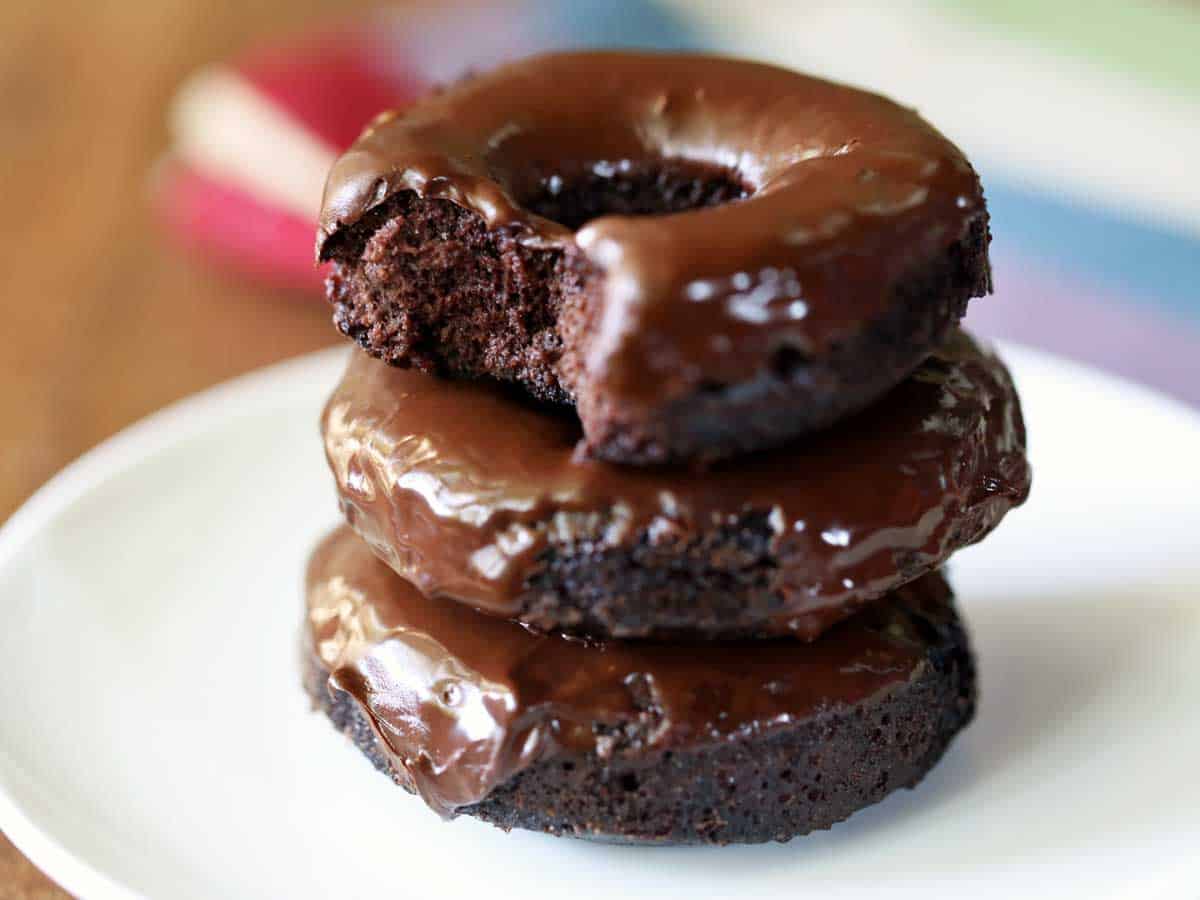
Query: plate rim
point(189, 416)
point(176, 422)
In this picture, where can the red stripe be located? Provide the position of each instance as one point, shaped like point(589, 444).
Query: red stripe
point(232, 227)
point(326, 82)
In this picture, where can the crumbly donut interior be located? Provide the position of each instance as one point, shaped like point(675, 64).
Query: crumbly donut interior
point(425, 283)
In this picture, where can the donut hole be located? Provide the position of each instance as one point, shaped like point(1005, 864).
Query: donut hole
point(786, 360)
point(574, 195)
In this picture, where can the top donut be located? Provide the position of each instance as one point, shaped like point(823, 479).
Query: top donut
point(705, 256)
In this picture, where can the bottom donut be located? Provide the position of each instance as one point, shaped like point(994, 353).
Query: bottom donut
point(633, 742)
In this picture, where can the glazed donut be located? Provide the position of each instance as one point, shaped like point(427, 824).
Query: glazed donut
point(705, 256)
point(633, 742)
point(478, 499)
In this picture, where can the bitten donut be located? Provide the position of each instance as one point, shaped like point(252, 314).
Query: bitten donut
point(478, 497)
point(658, 743)
point(705, 256)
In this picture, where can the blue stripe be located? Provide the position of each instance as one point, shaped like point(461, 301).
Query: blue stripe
point(1150, 262)
point(605, 23)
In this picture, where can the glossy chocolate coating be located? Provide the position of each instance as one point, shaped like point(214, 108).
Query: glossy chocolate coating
point(462, 489)
point(462, 702)
point(850, 194)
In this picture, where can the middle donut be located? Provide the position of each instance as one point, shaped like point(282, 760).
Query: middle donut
point(474, 495)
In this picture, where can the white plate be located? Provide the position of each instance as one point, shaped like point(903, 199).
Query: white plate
point(154, 739)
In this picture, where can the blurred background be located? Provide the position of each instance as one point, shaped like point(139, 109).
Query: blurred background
point(161, 167)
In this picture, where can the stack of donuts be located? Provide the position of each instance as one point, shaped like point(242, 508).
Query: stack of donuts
point(664, 426)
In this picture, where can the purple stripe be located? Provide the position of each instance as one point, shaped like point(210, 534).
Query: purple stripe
point(1087, 323)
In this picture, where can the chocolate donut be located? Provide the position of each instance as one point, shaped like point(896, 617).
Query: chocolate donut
point(475, 495)
point(636, 742)
point(705, 256)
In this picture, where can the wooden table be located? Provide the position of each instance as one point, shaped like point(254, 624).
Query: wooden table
point(102, 321)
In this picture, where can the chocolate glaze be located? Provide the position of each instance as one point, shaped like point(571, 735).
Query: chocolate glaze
point(462, 489)
point(462, 702)
point(849, 193)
